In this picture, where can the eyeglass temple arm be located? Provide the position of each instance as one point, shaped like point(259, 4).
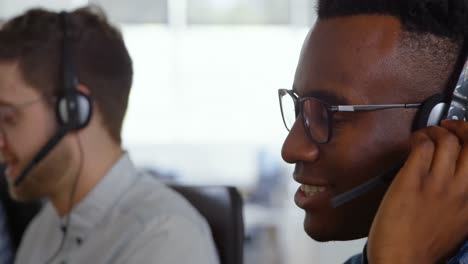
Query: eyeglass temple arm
point(352, 108)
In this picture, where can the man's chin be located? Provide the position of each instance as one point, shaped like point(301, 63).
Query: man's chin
point(328, 233)
point(24, 198)
point(325, 230)
point(320, 236)
point(23, 193)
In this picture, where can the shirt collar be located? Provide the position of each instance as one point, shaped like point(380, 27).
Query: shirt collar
point(104, 196)
point(462, 256)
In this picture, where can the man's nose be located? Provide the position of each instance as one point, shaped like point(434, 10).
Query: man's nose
point(298, 147)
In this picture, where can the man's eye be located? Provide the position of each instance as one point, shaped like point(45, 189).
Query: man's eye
point(324, 114)
point(7, 116)
point(342, 118)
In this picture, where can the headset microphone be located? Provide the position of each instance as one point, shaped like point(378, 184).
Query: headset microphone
point(382, 179)
point(41, 154)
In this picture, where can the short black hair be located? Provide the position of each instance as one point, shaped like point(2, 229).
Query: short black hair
point(444, 18)
point(438, 27)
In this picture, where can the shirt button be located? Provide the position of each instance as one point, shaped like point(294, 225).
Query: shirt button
point(79, 240)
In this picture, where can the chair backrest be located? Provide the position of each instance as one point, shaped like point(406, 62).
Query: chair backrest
point(18, 214)
point(222, 208)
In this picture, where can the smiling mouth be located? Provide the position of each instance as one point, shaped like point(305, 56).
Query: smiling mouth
point(311, 190)
point(10, 163)
point(313, 197)
point(11, 167)
point(10, 171)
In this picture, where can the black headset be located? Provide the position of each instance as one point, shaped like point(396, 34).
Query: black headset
point(438, 106)
point(73, 108)
point(453, 102)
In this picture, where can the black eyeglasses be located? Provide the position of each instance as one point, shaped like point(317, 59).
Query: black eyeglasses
point(9, 112)
point(317, 116)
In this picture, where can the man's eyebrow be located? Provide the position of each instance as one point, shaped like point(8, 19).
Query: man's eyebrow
point(325, 96)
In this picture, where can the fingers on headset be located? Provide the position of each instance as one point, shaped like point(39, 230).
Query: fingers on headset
point(460, 129)
point(457, 127)
point(446, 153)
point(419, 160)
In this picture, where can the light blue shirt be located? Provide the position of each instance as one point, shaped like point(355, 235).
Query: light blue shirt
point(129, 217)
point(460, 258)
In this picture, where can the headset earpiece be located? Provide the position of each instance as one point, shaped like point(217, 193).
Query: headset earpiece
point(74, 111)
point(431, 112)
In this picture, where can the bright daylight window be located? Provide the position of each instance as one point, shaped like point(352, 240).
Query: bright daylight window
point(238, 12)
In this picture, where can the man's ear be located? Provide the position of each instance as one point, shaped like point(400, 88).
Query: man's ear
point(83, 89)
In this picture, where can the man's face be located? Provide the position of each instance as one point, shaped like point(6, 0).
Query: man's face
point(27, 123)
point(349, 60)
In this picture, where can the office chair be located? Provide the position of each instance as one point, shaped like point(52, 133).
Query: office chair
point(18, 214)
point(222, 208)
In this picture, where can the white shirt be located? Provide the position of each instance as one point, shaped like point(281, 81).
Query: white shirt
point(129, 217)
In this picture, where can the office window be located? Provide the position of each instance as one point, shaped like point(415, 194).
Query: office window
point(238, 12)
point(9, 8)
point(135, 11)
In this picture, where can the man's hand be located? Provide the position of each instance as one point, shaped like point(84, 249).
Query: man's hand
point(423, 217)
